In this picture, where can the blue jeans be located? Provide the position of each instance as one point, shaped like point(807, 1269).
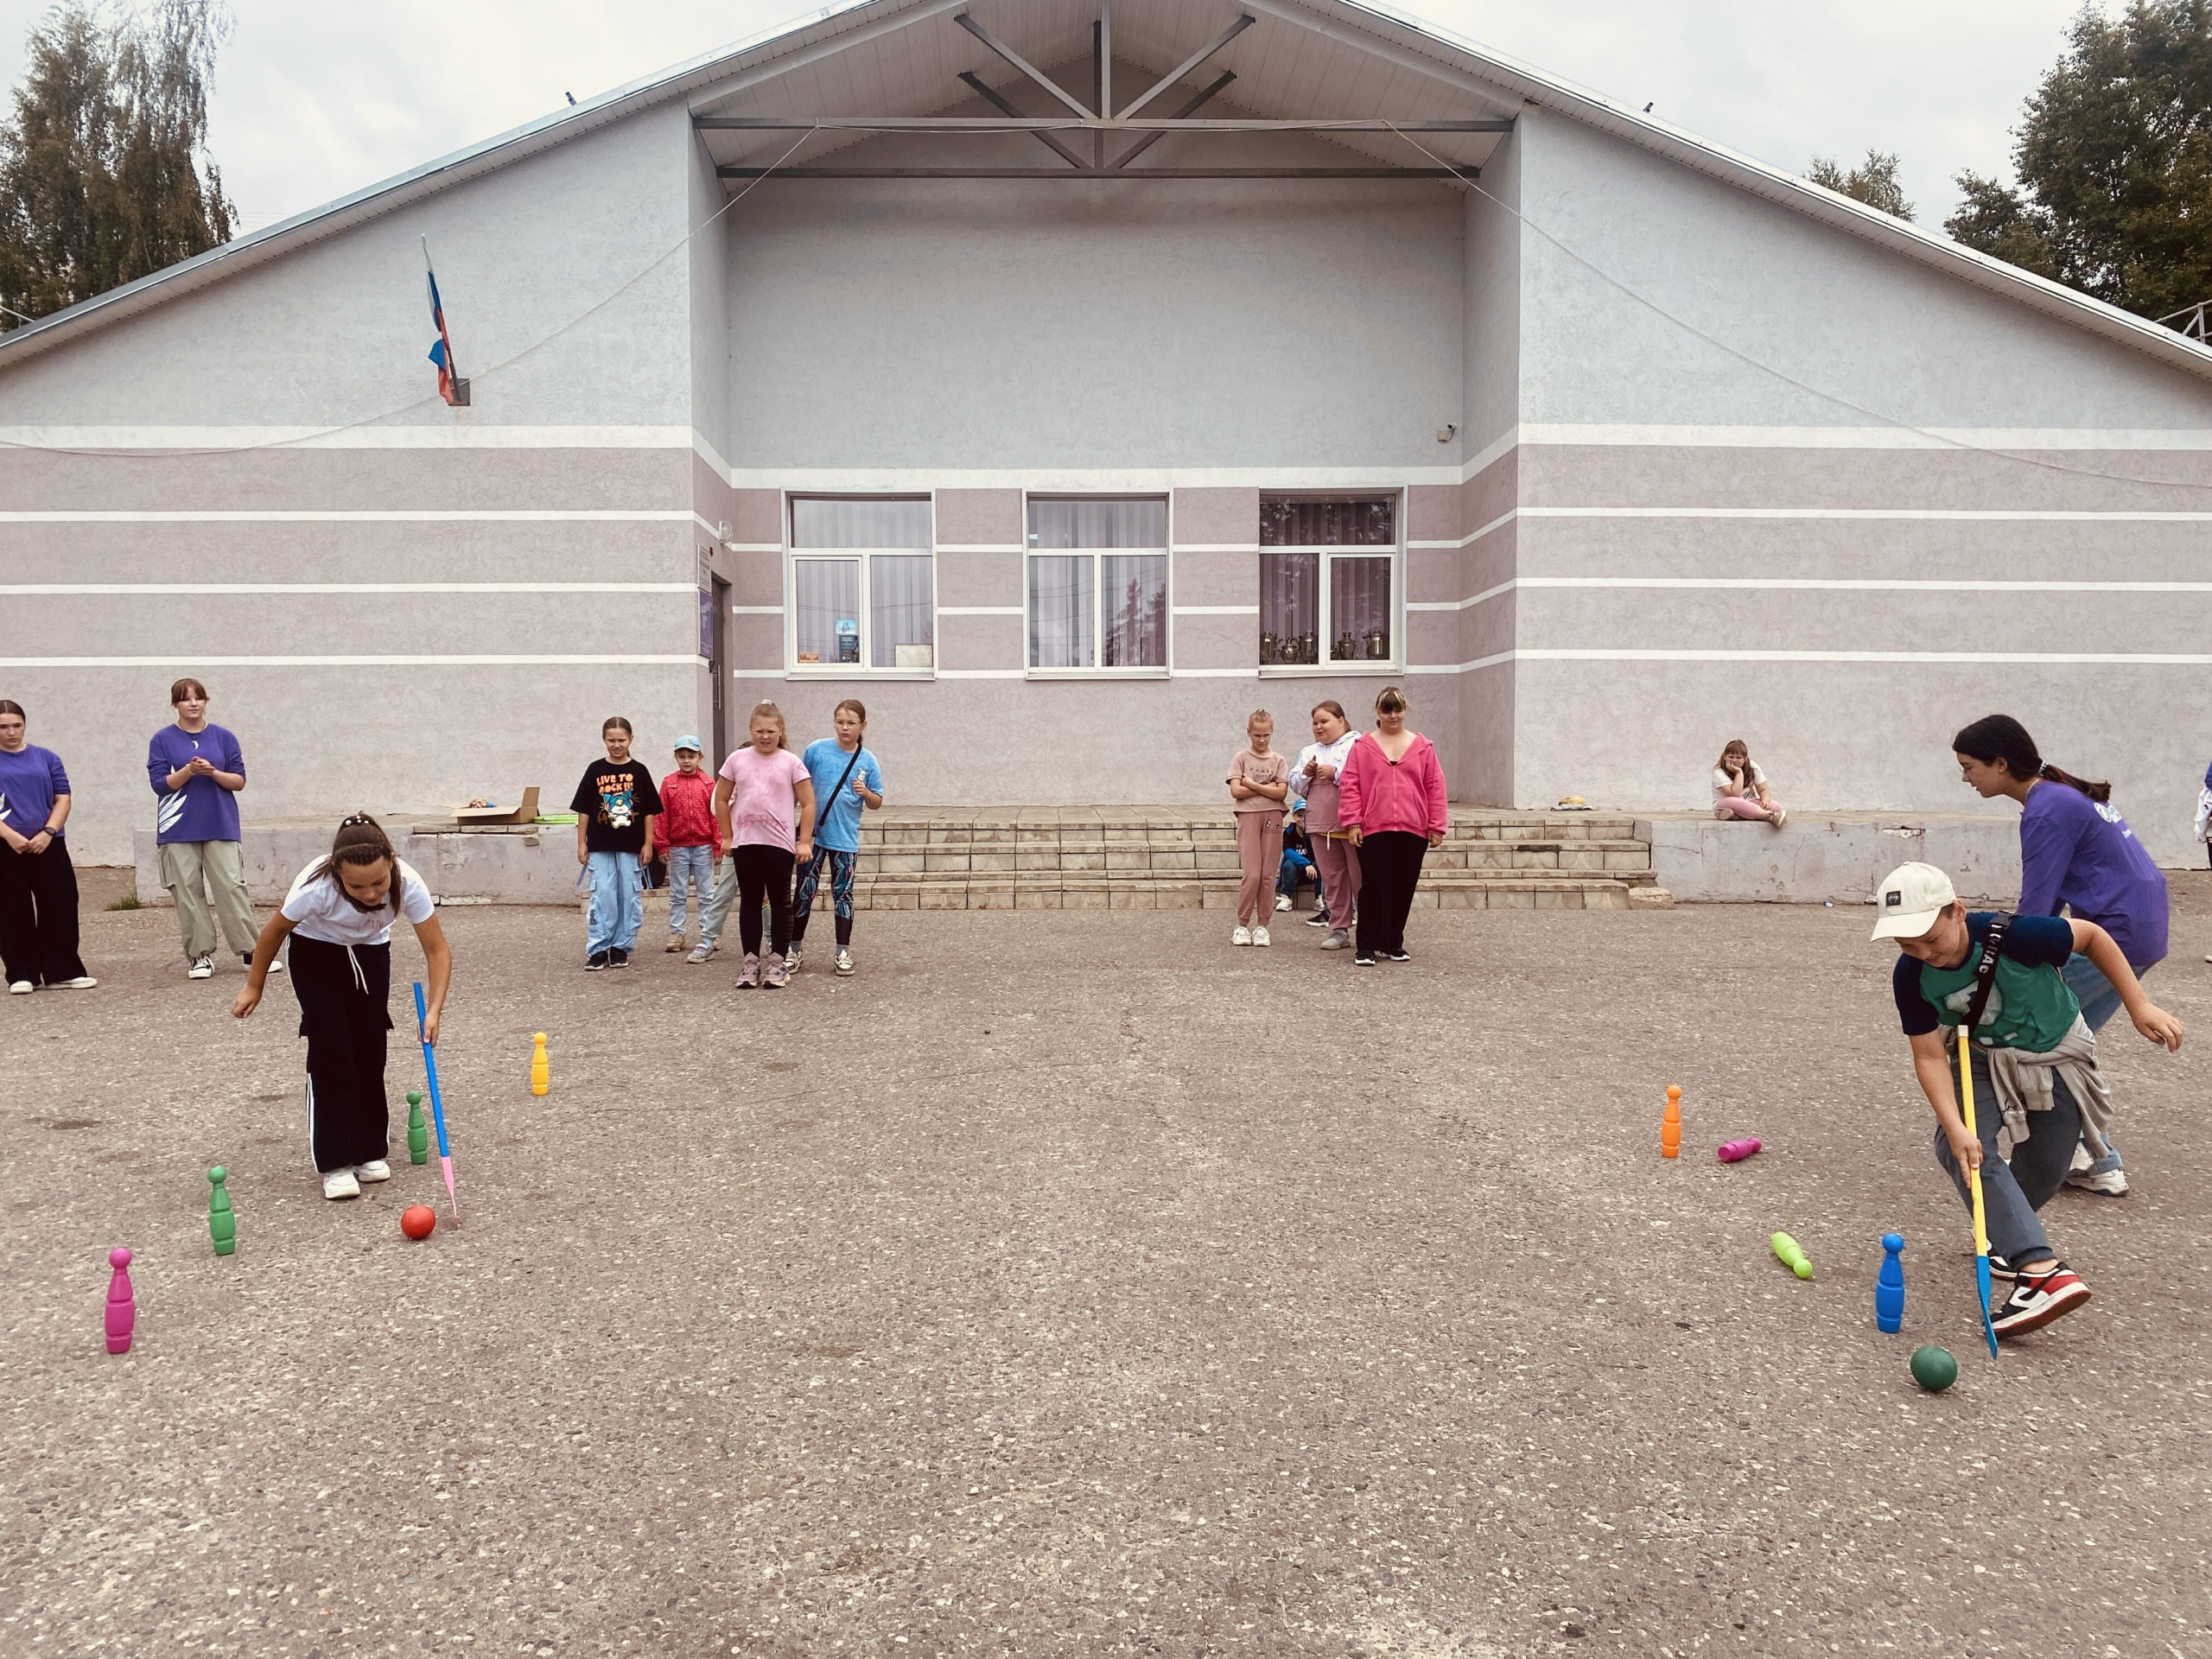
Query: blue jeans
point(691, 870)
point(2099, 1001)
point(618, 903)
point(2012, 1190)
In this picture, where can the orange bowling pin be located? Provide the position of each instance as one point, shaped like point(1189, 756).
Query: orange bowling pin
point(1670, 1129)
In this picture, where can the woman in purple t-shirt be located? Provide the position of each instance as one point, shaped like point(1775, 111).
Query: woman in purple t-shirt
point(38, 883)
point(197, 769)
point(2078, 854)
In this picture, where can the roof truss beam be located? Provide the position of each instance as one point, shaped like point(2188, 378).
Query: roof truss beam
point(957, 123)
point(976, 85)
point(1019, 62)
point(1096, 173)
point(1186, 66)
point(1151, 138)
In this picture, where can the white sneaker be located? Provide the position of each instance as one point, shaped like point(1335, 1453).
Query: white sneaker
point(1282, 901)
point(82, 982)
point(791, 958)
point(375, 1169)
point(340, 1183)
point(1781, 818)
point(1260, 936)
point(705, 952)
point(21, 988)
point(844, 960)
point(1337, 940)
point(1242, 936)
point(202, 967)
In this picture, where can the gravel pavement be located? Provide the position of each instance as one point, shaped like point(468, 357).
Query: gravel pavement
point(1074, 1283)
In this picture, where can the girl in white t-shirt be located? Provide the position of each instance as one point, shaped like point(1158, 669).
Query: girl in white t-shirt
point(339, 917)
point(1739, 788)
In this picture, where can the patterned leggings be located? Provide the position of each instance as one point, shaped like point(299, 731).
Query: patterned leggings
point(840, 893)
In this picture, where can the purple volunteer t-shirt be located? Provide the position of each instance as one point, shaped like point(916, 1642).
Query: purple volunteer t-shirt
point(203, 809)
point(2075, 853)
point(30, 779)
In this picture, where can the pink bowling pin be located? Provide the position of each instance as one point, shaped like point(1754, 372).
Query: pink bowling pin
point(122, 1309)
point(1735, 1151)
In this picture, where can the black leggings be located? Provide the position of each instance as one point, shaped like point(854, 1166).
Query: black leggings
point(343, 990)
point(764, 872)
point(38, 916)
point(1390, 870)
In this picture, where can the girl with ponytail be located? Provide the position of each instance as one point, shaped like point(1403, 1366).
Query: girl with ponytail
point(339, 917)
point(2076, 853)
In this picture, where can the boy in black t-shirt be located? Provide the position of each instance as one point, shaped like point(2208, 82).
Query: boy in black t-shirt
point(615, 805)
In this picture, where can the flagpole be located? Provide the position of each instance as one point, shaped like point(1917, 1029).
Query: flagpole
point(458, 399)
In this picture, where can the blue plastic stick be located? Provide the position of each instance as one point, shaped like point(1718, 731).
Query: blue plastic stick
point(437, 1106)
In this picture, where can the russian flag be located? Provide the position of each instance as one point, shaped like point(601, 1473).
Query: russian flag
point(442, 347)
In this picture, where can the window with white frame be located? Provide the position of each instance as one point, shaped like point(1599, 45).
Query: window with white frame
point(863, 593)
point(1327, 570)
point(1097, 581)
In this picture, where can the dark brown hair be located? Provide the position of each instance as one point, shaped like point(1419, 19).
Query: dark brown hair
point(611, 722)
point(360, 840)
point(1334, 707)
point(1721, 765)
point(187, 688)
point(855, 705)
point(9, 706)
point(1999, 737)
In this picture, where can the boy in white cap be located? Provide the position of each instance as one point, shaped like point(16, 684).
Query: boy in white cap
point(2035, 1063)
point(687, 836)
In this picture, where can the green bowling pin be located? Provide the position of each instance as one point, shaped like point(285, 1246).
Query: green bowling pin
point(418, 1137)
point(1792, 1255)
point(222, 1221)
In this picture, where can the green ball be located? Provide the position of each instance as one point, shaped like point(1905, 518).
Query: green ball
point(1934, 1369)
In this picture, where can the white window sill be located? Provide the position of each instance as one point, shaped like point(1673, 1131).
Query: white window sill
point(1097, 673)
point(855, 671)
point(1324, 671)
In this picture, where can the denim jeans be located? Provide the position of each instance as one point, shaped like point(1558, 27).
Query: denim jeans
point(618, 903)
point(715, 911)
point(2011, 1192)
point(2099, 1001)
point(691, 870)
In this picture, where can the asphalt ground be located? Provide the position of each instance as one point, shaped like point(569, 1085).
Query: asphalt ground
point(1074, 1283)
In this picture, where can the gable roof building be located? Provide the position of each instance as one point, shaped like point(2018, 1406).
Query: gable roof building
point(1053, 375)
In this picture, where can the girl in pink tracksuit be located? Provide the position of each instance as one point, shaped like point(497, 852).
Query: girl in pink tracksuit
point(1392, 801)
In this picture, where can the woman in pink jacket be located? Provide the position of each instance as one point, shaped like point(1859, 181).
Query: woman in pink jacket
point(1393, 803)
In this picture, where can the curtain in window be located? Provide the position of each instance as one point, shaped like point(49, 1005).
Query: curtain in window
point(1290, 607)
point(1098, 524)
point(1328, 524)
point(825, 592)
point(1059, 611)
point(899, 605)
point(819, 521)
point(1359, 609)
point(1133, 610)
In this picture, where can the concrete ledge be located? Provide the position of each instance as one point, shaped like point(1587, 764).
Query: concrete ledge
point(1704, 860)
point(512, 870)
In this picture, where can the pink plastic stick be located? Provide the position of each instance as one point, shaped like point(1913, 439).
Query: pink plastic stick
point(1735, 1151)
point(122, 1308)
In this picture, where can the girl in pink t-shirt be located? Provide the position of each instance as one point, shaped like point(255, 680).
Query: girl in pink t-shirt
point(764, 801)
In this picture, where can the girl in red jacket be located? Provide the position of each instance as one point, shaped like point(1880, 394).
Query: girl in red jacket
point(1393, 805)
point(687, 837)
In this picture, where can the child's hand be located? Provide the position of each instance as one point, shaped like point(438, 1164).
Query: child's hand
point(248, 998)
point(1965, 1150)
point(2155, 1023)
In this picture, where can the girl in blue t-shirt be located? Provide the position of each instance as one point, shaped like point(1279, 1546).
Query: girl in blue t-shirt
point(846, 780)
point(38, 883)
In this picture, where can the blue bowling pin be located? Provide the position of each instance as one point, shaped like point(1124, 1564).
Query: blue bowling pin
point(1889, 1289)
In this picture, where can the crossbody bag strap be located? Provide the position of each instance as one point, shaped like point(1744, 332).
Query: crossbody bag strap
point(1985, 972)
point(822, 808)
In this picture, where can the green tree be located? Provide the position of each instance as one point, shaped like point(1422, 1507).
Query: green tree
point(102, 172)
point(2114, 159)
point(1874, 181)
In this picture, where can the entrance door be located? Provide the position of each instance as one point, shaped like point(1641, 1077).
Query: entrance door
point(718, 668)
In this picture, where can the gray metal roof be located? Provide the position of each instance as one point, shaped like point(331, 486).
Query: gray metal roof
point(1307, 57)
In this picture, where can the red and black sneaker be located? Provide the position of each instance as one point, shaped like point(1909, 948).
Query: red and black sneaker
point(2038, 1299)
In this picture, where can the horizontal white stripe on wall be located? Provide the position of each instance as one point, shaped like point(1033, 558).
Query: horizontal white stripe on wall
point(979, 610)
point(979, 547)
point(1473, 600)
point(394, 661)
point(982, 673)
point(457, 436)
point(1215, 673)
point(1134, 480)
point(50, 590)
point(1948, 515)
point(2056, 658)
point(1216, 547)
point(753, 547)
point(1872, 437)
point(1474, 535)
point(1216, 610)
point(1813, 584)
point(756, 610)
point(396, 515)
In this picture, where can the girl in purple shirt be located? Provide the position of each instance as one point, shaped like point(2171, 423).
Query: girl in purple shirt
point(38, 883)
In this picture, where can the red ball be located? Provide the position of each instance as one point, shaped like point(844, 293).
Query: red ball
point(416, 1220)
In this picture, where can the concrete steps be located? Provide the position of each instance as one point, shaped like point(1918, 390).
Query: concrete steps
point(1185, 858)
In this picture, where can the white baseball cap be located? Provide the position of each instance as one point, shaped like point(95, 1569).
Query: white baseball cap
point(1910, 900)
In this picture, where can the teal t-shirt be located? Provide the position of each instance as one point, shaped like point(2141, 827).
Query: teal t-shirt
point(837, 824)
point(2031, 1006)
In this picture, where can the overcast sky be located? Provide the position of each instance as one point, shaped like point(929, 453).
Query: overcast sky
point(314, 99)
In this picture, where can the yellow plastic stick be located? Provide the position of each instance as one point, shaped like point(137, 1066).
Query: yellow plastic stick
point(1973, 1192)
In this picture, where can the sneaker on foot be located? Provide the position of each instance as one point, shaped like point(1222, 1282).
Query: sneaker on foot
point(1363, 962)
point(844, 960)
point(2039, 1298)
point(618, 958)
point(2001, 1269)
point(2105, 1183)
point(1393, 956)
point(1319, 918)
point(375, 1169)
point(1337, 940)
point(703, 952)
point(1242, 936)
point(1282, 901)
point(82, 982)
point(203, 967)
point(748, 972)
point(594, 962)
point(675, 945)
point(21, 988)
point(1260, 936)
point(340, 1183)
point(773, 979)
point(791, 958)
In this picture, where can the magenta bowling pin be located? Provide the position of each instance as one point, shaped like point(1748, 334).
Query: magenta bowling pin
point(1735, 1151)
point(122, 1308)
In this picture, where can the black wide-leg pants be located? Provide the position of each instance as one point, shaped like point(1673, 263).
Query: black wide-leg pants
point(343, 991)
point(38, 916)
point(1390, 870)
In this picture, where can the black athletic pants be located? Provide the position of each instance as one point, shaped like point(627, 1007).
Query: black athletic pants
point(764, 872)
point(1389, 869)
point(343, 990)
point(38, 916)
